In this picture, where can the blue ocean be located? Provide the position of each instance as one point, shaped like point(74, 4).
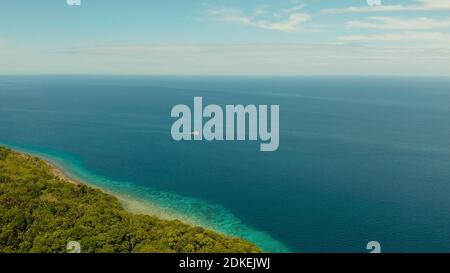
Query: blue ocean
point(360, 158)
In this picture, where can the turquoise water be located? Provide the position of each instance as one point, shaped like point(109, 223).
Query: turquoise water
point(360, 159)
point(194, 211)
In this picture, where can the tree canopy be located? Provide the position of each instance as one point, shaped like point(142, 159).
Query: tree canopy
point(41, 212)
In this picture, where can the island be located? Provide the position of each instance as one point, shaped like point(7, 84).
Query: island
point(41, 211)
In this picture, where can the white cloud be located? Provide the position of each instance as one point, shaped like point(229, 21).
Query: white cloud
point(236, 59)
point(294, 8)
point(261, 10)
point(418, 5)
point(398, 23)
point(409, 36)
point(290, 19)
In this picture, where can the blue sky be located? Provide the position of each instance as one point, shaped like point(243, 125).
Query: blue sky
point(287, 37)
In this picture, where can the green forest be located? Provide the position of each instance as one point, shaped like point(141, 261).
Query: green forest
point(41, 213)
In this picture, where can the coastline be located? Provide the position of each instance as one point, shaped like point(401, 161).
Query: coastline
point(59, 210)
point(164, 205)
point(129, 203)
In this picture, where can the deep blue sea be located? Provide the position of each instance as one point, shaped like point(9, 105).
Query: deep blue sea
point(360, 158)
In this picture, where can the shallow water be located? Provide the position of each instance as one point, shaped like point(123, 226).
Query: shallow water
point(360, 159)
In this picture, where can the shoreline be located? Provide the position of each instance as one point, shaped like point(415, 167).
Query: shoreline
point(130, 204)
point(64, 209)
point(187, 210)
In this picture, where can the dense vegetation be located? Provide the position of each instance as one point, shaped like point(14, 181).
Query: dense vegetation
point(40, 212)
